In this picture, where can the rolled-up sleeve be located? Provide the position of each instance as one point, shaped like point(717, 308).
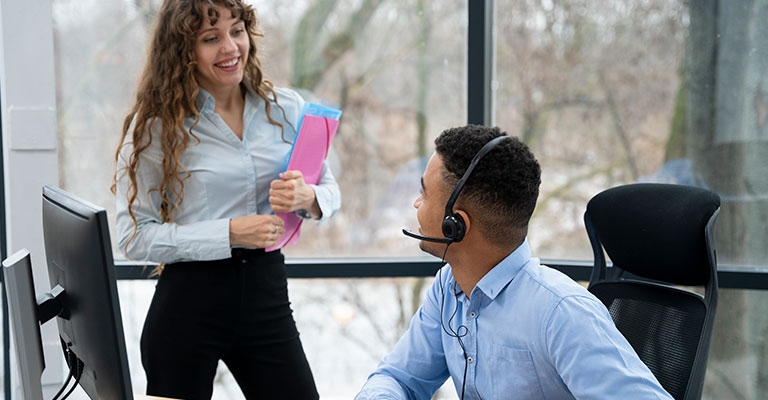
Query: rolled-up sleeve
point(327, 194)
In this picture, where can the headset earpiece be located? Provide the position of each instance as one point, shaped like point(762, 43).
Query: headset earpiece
point(454, 227)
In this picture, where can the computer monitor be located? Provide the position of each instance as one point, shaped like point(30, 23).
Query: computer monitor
point(22, 304)
point(79, 254)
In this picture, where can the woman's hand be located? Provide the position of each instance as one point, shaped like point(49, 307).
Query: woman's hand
point(255, 231)
point(291, 193)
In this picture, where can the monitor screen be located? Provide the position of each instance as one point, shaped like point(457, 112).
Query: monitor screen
point(22, 305)
point(79, 253)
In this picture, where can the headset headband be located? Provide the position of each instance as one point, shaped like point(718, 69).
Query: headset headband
point(480, 154)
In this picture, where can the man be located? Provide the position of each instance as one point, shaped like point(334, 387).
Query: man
point(498, 323)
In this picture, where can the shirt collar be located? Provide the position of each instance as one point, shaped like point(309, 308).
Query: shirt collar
point(504, 272)
point(204, 101)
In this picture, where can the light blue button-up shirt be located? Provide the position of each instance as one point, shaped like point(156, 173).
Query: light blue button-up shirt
point(229, 178)
point(531, 333)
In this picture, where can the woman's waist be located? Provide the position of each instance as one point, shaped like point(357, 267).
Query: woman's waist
point(193, 211)
point(240, 257)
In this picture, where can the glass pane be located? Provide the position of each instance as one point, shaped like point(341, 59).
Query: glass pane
point(345, 330)
point(397, 71)
point(638, 91)
point(400, 83)
point(591, 87)
point(738, 355)
point(727, 135)
point(648, 91)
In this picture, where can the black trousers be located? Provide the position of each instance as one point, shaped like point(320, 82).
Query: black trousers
point(235, 310)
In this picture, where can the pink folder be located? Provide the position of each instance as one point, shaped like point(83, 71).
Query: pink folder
point(309, 152)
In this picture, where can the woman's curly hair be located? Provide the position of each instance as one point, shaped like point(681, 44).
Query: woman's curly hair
point(168, 89)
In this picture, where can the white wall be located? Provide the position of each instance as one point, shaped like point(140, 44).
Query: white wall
point(28, 100)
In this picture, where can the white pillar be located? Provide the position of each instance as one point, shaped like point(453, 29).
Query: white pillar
point(28, 100)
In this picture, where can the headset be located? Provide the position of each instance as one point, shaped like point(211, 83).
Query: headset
point(454, 228)
point(453, 225)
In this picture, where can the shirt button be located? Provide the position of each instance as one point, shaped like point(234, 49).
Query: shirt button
point(473, 314)
point(469, 360)
point(251, 180)
point(251, 209)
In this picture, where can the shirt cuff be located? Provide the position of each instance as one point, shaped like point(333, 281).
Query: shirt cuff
point(205, 240)
point(326, 202)
point(381, 387)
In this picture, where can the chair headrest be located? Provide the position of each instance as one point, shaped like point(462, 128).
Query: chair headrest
point(656, 231)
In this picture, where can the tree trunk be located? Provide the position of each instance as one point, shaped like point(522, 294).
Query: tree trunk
point(312, 57)
point(726, 64)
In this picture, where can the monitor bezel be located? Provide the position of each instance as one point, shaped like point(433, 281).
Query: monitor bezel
point(19, 284)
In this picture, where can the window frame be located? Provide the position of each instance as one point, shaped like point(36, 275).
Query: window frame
point(480, 73)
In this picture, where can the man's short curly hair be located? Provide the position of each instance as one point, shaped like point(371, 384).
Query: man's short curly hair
point(502, 190)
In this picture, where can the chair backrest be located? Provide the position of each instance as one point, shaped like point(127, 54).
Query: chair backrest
point(661, 235)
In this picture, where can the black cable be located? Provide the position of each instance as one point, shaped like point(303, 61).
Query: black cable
point(68, 356)
point(64, 386)
point(457, 333)
point(464, 380)
point(79, 367)
point(72, 389)
point(458, 336)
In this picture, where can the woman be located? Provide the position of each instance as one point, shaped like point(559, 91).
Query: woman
point(198, 179)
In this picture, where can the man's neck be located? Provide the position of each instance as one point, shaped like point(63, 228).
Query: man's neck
point(472, 261)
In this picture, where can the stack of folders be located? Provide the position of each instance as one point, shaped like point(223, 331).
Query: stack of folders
point(317, 128)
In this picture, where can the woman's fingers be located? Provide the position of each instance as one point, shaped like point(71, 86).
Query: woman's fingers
point(292, 174)
point(282, 195)
point(290, 193)
point(277, 221)
point(256, 230)
point(277, 226)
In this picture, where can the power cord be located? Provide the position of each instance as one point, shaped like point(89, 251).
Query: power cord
point(76, 368)
point(64, 386)
point(79, 373)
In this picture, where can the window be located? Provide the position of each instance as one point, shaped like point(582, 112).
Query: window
point(647, 91)
point(605, 93)
point(591, 87)
point(399, 74)
point(397, 71)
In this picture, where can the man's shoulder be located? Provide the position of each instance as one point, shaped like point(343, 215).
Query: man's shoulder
point(553, 283)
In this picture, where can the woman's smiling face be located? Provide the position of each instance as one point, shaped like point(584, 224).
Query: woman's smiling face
point(221, 51)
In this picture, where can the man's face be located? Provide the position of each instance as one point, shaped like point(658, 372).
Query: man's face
point(430, 206)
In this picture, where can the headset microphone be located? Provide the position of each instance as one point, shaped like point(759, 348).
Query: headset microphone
point(426, 238)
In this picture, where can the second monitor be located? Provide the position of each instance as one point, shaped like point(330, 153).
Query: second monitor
point(79, 254)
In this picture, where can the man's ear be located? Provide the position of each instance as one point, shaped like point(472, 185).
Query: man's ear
point(465, 217)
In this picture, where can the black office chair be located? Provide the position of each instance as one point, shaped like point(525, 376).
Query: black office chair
point(662, 234)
